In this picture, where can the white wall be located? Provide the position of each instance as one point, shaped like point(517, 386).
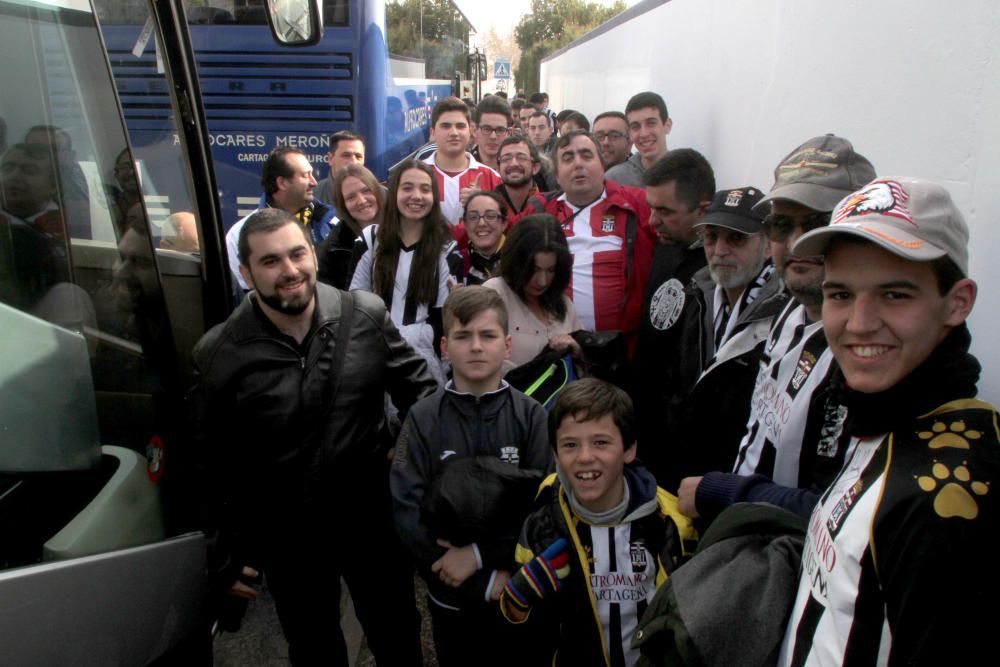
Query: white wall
point(914, 84)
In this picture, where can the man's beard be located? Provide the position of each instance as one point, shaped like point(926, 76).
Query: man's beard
point(290, 306)
point(518, 182)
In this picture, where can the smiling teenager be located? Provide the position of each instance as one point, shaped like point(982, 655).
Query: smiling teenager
point(900, 550)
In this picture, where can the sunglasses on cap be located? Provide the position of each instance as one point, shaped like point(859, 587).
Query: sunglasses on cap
point(779, 227)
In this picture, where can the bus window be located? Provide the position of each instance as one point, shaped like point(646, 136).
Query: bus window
point(87, 337)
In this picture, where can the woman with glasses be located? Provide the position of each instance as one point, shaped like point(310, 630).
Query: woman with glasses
point(481, 236)
point(411, 259)
point(534, 273)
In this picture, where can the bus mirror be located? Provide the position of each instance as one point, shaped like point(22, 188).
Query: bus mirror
point(295, 22)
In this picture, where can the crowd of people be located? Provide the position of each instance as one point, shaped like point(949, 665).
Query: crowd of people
point(774, 453)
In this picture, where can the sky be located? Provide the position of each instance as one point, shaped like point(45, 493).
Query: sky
point(503, 16)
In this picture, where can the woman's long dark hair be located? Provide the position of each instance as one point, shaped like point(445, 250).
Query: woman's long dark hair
point(360, 172)
point(423, 282)
point(530, 236)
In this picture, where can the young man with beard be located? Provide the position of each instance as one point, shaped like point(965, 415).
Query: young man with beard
point(791, 447)
point(520, 169)
point(898, 564)
point(288, 418)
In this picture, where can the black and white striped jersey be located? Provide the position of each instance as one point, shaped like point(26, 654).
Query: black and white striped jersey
point(899, 564)
point(796, 362)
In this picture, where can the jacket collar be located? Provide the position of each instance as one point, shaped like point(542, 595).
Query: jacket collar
point(245, 324)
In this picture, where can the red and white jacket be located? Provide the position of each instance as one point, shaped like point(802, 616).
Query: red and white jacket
point(451, 187)
point(606, 288)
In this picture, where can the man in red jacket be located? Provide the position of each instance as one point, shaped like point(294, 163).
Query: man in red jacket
point(607, 226)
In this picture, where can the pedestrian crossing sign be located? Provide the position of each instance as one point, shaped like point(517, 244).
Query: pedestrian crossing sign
point(501, 68)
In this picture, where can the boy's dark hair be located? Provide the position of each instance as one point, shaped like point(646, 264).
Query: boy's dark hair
point(533, 234)
point(537, 98)
point(538, 114)
point(343, 135)
point(265, 221)
point(611, 114)
point(578, 118)
point(447, 104)
point(693, 175)
point(517, 104)
point(275, 166)
point(493, 104)
point(561, 116)
point(590, 399)
point(647, 99)
point(463, 305)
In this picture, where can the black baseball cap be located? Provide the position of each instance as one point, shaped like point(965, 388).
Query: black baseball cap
point(734, 209)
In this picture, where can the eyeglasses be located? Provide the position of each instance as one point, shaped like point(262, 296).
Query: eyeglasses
point(489, 216)
point(510, 157)
point(613, 136)
point(779, 227)
point(495, 131)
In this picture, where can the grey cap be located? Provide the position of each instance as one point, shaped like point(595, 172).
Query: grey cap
point(820, 173)
point(735, 209)
point(912, 218)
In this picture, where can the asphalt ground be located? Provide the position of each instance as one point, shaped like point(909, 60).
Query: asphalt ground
point(260, 642)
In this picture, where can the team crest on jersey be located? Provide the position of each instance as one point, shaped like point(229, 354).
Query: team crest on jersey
point(510, 455)
point(883, 196)
point(666, 305)
point(802, 370)
point(608, 223)
point(639, 556)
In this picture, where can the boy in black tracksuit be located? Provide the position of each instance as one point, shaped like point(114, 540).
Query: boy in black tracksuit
point(468, 461)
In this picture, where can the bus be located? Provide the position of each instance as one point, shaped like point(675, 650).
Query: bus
point(101, 562)
point(260, 95)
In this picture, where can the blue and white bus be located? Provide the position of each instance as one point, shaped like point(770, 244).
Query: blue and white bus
point(259, 94)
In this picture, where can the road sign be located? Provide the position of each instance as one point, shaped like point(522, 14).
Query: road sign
point(501, 68)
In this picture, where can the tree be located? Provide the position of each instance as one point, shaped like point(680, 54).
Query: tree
point(551, 25)
point(444, 42)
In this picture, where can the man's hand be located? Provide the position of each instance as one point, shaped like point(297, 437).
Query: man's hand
point(456, 565)
point(686, 495)
point(466, 192)
point(241, 590)
point(503, 576)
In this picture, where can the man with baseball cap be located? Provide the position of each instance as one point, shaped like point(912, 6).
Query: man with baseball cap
point(790, 448)
point(729, 308)
point(899, 560)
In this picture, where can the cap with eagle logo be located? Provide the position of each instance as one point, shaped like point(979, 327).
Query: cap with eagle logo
point(912, 218)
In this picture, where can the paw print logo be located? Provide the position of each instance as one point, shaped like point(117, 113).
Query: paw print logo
point(956, 492)
point(953, 435)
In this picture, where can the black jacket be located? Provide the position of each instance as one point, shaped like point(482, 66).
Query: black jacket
point(504, 425)
point(275, 462)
